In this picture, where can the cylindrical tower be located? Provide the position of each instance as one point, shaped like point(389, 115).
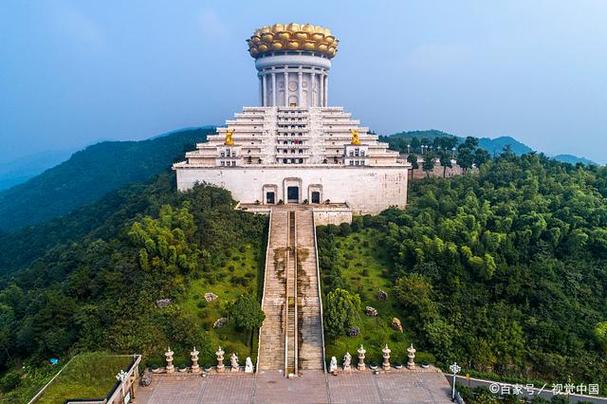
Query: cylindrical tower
point(293, 63)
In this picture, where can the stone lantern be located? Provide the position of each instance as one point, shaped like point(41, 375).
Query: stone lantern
point(220, 352)
point(411, 354)
point(386, 351)
point(361, 358)
point(194, 356)
point(169, 358)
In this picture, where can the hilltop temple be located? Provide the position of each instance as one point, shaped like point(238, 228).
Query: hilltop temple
point(294, 148)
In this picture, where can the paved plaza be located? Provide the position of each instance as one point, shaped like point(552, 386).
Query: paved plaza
point(396, 386)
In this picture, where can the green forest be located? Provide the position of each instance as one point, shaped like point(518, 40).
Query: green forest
point(100, 292)
point(503, 271)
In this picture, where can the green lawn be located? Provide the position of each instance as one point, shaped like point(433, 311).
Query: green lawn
point(366, 272)
point(88, 375)
point(240, 274)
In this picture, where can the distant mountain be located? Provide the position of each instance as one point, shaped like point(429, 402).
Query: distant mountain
point(91, 173)
point(493, 146)
point(22, 169)
point(496, 146)
point(571, 159)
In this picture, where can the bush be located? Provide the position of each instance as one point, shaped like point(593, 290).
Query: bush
point(341, 312)
point(10, 381)
point(246, 313)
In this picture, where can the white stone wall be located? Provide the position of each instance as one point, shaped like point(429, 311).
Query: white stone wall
point(364, 189)
point(336, 217)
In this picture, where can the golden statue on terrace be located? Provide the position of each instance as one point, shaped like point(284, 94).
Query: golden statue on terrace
point(355, 137)
point(229, 137)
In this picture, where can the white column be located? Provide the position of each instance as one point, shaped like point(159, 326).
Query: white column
point(265, 90)
point(327, 90)
point(321, 94)
point(261, 90)
point(273, 89)
point(286, 88)
point(311, 89)
point(300, 89)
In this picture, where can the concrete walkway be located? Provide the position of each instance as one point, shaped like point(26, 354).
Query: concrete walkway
point(397, 386)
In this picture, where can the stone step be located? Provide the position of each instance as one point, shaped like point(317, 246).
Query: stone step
point(291, 295)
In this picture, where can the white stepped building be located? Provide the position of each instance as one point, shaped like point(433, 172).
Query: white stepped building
point(294, 148)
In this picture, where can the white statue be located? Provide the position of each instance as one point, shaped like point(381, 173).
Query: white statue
point(347, 362)
point(234, 362)
point(333, 365)
point(248, 367)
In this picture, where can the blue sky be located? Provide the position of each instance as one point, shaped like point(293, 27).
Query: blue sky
point(76, 72)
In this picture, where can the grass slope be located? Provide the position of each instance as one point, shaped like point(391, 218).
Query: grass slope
point(88, 375)
point(362, 263)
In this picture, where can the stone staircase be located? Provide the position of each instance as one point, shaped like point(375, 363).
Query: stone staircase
point(309, 314)
point(291, 337)
point(271, 334)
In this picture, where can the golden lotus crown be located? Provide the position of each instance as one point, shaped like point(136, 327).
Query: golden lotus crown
point(295, 37)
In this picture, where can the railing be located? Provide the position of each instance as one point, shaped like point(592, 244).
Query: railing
point(322, 325)
point(263, 293)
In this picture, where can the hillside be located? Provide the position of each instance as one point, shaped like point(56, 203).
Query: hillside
point(493, 146)
point(504, 271)
point(98, 289)
point(22, 169)
point(571, 159)
point(91, 173)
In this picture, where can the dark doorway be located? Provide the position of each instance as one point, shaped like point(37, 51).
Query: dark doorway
point(315, 197)
point(270, 198)
point(293, 194)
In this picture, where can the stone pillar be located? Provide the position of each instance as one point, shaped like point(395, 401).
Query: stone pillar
point(327, 90)
point(169, 358)
point(194, 356)
point(313, 91)
point(361, 358)
point(411, 354)
point(220, 352)
point(300, 89)
point(286, 88)
point(321, 93)
point(264, 91)
point(386, 351)
point(273, 89)
point(261, 90)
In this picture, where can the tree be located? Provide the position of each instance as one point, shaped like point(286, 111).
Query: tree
point(465, 153)
point(481, 156)
point(414, 293)
point(246, 313)
point(600, 334)
point(428, 164)
point(412, 159)
point(341, 312)
point(445, 161)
